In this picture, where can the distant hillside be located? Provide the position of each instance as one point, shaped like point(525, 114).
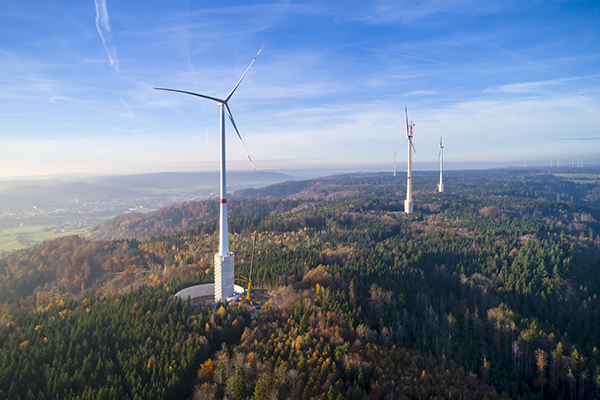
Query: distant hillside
point(522, 184)
point(172, 219)
point(535, 184)
point(167, 220)
point(179, 217)
point(205, 181)
point(125, 187)
point(337, 185)
point(63, 192)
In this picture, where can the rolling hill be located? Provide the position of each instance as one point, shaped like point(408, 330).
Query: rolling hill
point(489, 290)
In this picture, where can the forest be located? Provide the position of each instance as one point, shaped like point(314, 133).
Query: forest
point(489, 290)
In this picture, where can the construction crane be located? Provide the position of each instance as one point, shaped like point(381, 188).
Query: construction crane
point(243, 278)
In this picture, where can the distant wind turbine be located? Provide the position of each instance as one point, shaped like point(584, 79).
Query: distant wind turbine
point(224, 258)
point(441, 162)
point(395, 152)
point(408, 203)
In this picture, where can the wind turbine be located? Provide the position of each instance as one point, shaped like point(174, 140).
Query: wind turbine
point(224, 258)
point(408, 203)
point(395, 152)
point(441, 162)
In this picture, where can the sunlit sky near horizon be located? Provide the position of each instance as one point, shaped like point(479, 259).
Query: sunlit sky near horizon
point(503, 82)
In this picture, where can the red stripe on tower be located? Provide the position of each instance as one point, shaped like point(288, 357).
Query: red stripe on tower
point(223, 201)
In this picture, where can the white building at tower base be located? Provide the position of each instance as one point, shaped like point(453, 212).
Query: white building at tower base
point(223, 277)
point(408, 206)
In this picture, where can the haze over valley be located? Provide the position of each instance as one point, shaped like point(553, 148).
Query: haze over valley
point(35, 210)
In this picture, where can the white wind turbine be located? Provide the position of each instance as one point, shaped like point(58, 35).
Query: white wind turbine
point(441, 162)
point(224, 258)
point(408, 203)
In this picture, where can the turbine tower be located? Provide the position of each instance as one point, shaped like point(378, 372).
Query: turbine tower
point(224, 258)
point(408, 203)
point(441, 162)
point(395, 152)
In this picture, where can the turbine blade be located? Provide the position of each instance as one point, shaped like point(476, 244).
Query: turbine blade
point(239, 136)
point(240, 81)
point(405, 139)
point(406, 112)
point(193, 94)
point(413, 146)
point(439, 155)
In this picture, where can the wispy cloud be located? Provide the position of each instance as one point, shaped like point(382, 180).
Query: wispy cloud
point(388, 12)
point(420, 93)
point(54, 99)
point(534, 87)
point(580, 138)
point(103, 26)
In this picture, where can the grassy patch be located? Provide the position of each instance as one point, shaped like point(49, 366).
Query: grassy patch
point(579, 178)
point(18, 238)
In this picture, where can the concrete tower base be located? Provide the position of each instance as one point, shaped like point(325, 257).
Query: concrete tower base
point(441, 188)
point(223, 277)
point(408, 206)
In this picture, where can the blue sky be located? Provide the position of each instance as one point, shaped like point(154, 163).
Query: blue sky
point(501, 81)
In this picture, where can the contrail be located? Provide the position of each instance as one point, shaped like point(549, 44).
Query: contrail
point(128, 114)
point(103, 27)
point(395, 53)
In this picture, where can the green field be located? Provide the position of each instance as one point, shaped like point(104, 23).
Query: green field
point(36, 230)
point(18, 238)
point(579, 178)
